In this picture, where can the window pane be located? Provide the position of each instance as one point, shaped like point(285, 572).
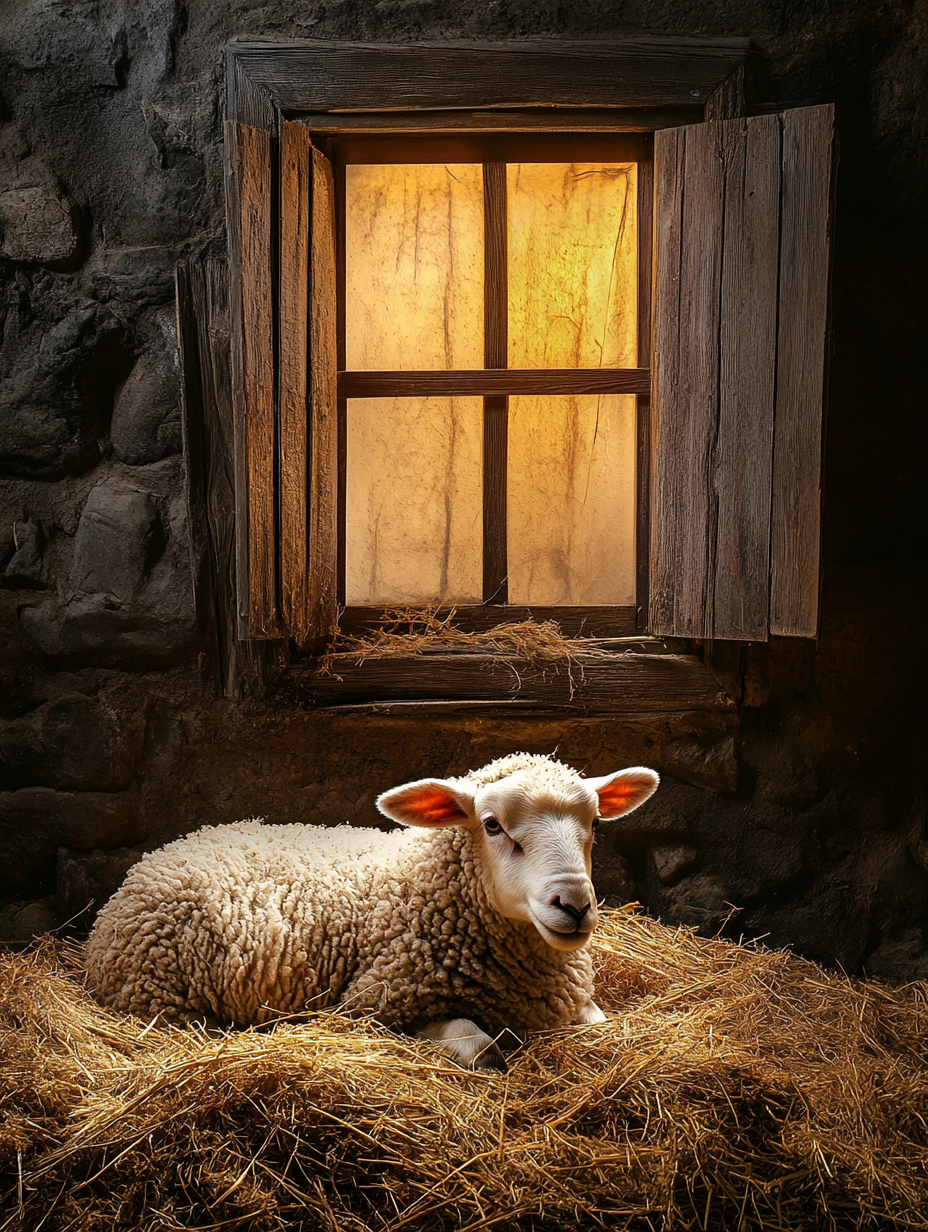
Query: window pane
point(414, 267)
point(573, 265)
point(414, 519)
point(571, 506)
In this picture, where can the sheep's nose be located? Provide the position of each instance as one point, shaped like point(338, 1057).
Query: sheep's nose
point(575, 913)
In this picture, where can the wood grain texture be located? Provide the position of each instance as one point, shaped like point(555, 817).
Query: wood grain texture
point(324, 435)
point(643, 403)
point(690, 197)
point(295, 206)
point(741, 461)
point(496, 267)
point(726, 102)
point(488, 148)
point(323, 76)
point(495, 490)
point(617, 684)
point(740, 322)
point(248, 187)
point(536, 119)
point(807, 206)
point(602, 622)
point(238, 668)
point(492, 383)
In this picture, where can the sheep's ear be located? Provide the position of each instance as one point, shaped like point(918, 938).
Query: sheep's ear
point(428, 802)
point(623, 791)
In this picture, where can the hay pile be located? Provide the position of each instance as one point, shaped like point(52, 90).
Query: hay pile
point(735, 1089)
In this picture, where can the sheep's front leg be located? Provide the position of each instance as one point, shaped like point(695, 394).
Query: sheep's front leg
point(590, 1014)
point(465, 1043)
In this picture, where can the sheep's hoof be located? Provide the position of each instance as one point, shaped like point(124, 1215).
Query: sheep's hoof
point(465, 1043)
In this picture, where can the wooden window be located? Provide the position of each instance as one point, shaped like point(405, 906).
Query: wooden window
point(728, 372)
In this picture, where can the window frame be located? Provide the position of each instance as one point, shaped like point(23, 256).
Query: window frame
point(338, 90)
point(496, 381)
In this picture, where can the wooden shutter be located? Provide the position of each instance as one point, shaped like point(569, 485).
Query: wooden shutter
point(743, 216)
point(285, 438)
point(249, 176)
point(323, 383)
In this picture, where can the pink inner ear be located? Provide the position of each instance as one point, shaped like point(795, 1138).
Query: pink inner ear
point(621, 795)
point(433, 807)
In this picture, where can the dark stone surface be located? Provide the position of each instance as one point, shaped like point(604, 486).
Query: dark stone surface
point(41, 751)
point(36, 821)
point(807, 823)
point(24, 569)
point(146, 416)
point(86, 879)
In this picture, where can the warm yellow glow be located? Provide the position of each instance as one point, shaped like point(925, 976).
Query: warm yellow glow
point(573, 273)
point(414, 520)
point(571, 506)
point(414, 266)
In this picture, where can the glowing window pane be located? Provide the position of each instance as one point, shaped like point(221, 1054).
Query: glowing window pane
point(414, 267)
point(573, 276)
point(414, 516)
point(571, 505)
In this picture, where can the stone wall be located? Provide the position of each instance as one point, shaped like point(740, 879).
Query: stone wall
point(805, 825)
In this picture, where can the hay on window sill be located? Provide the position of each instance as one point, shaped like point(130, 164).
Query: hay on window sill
point(406, 631)
point(732, 1088)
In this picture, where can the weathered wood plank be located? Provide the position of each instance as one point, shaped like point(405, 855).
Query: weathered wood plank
point(807, 203)
point(741, 321)
point(495, 519)
point(643, 404)
point(617, 684)
point(237, 667)
point(249, 177)
point(322, 75)
point(488, 148)
point(741, 462)
point(538, 119)
point(684, 403)
point(726, 102)
point(496, 267)
point(323, 367)
point(295, 205)
point(491, 383)
point(574, 621)
point(495, 409)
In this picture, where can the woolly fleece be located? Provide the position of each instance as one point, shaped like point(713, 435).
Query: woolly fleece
point(246, 921)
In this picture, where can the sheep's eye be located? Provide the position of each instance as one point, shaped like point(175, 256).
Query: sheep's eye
point(596, 821)
point(492, 826)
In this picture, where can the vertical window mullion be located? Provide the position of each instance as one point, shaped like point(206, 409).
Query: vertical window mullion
point(495, 410)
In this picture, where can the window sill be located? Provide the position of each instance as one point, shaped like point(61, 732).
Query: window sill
point(632, 681)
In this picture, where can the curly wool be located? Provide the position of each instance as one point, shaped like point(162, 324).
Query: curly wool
point(247, 921)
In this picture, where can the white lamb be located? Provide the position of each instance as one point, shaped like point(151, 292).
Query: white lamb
point(482, 909)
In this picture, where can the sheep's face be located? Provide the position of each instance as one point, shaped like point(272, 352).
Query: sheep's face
point(535, 834)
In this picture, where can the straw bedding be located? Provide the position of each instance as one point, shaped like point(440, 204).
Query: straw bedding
point(732, 1088)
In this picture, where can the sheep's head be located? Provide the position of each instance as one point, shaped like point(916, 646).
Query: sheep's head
point(535, 828)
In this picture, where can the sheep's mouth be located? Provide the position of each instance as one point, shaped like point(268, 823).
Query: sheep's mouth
point(573, 939)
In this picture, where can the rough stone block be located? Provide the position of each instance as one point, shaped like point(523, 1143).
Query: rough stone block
point(36, 821)
point(673, 861)
point(98, 629)
point(38, 222)
point(86, 879)
point(21, 923)
point(146, 423)
point(714, 766)
point(118, 537)
point(72, 743)
point(25, 570)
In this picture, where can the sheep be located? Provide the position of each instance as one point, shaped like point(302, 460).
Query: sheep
point(471, 920)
